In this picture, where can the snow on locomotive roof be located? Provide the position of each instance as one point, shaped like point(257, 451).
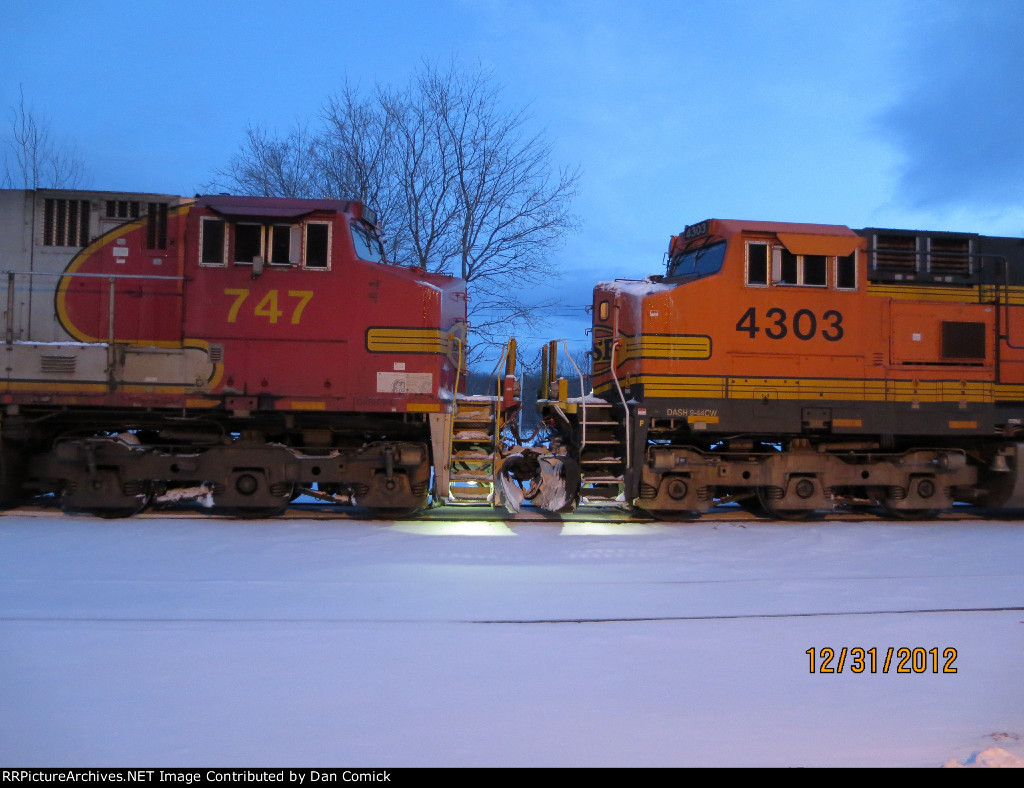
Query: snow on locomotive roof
point(634, 287)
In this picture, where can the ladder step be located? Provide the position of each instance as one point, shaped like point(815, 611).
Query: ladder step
point(471, 454)
point(471, 476)
point(472, 435)
point(602, 502)
point(479, 493)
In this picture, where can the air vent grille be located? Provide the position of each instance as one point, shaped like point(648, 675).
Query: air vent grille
point(49, 362)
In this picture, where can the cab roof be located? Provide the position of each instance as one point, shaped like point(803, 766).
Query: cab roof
point(731, 226)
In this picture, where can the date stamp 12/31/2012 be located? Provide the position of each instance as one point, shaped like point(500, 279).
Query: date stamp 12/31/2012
point(893, 659)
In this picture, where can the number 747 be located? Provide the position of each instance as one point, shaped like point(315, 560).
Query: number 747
point(268, 305)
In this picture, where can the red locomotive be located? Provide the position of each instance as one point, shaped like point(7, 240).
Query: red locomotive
point(231, 350)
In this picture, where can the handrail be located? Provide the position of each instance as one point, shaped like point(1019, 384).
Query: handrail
point(101, 276)
point(112, 279)
point(455, 407)
point(583, 392)
point(492, 379)
point(615, 377)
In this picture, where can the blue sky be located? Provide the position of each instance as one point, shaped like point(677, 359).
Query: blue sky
point(896, 113)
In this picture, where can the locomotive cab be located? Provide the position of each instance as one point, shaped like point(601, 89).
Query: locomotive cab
point(741, 293)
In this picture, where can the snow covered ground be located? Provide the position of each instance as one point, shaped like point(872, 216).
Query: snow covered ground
point(210, 642)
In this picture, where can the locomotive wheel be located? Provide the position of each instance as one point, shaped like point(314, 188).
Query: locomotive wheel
point(908, 514)
point(764, 497)
point(250, 513)
point(394, 513)
point(249, 496)
point(115, 514)
point(110, 512)
point(266, 513)
point(671, 515)
point(751, 503)
point(902, 514)
point(12, 469)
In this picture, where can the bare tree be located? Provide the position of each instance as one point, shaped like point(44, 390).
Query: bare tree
point(496, 209)
point(33, 159)
point(273, 167)
point(458, 183)
point(361, 156)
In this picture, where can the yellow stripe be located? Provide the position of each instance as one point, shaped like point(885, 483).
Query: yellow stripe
point(971, 294)
point(847, 423)
point(666, 347)
point(202, 403)
point(150, 388)
point(1009, 391)
point(963, 425)
point(306, 405)
point(413, 407)
point(864, 390)
point(406, 340)
point(54, 386)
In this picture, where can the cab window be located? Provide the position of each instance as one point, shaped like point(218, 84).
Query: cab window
point(806, 270)
point(757, 264)
point(695, 263)
point(318, 246)
point(846, 272)
point(248, 242)
point(212, 236)
point(367, 243)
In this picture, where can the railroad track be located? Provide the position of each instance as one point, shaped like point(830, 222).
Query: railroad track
point(604, 514)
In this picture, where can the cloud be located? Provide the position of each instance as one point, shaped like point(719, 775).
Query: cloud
point(959, 124)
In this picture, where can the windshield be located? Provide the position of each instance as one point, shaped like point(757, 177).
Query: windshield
point(367, 243)
point(698, 262)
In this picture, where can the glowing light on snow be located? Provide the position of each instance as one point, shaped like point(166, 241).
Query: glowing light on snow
point(456, 528)
point(609, 529)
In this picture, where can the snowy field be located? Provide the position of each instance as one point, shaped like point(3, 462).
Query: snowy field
point(211, 642)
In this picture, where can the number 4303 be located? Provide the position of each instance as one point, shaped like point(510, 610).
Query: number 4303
point(804, 324)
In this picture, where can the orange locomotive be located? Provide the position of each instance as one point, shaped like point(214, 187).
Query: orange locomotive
point(232, 350)
point(801, 367)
